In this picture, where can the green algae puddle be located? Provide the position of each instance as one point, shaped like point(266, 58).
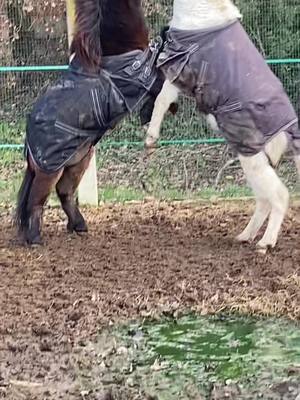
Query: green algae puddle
point(250, 355)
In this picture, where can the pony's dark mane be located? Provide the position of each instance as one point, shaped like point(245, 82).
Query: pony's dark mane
point(86, 42)
point(123, 26)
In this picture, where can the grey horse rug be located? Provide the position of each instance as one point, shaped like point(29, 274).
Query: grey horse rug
point(229, 78)
point(80, 107)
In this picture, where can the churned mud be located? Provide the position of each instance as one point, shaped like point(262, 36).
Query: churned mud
point(139, 260)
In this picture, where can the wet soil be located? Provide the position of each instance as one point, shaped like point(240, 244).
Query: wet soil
point(138, 260)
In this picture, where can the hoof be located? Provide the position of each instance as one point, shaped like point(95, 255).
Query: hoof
point(81, 231)
point(149, 150)
point(242, 238)
point(78, 227)
point(263, 248)
point(150, 145)
point(34, 242)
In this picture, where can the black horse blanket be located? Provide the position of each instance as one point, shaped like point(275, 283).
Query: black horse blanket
point(80, 107)
point(230, 79)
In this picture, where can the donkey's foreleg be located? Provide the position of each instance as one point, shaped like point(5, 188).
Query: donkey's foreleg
point(272, 198)
point(166, 97)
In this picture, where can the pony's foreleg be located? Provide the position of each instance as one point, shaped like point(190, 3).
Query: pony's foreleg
point(272, 199)
point(166, 97)
point(66, 188)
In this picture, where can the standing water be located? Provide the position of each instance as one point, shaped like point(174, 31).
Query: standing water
point(217, 358)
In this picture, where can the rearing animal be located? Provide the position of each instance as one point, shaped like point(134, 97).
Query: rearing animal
point(210, 57)
point(103, 84)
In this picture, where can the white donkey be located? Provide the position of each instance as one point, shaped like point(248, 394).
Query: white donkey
point(209, 56)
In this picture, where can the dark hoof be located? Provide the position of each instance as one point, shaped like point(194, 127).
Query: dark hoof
point(81, 228)
point(34, 242)
point(78, 227)
point(18, 241)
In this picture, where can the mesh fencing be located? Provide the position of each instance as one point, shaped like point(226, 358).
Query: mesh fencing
point(35, 33)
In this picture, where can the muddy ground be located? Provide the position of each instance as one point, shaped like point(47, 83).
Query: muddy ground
point(138, 260)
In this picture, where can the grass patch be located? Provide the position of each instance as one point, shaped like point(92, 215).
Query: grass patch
point(119, 194)
point(123, 194)
point(9, 158)
point(12, 132)
point(9, 189)
point(230, 191)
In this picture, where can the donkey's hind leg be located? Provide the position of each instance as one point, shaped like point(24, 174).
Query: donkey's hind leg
point(66, 188)
point(271, 195)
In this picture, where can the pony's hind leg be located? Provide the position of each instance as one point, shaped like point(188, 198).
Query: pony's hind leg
point(65, 190)
point(272, 199)
point(40, 190)
point(262, 211)
point(274, 150)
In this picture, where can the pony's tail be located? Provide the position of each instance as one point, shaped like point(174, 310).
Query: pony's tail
point(22, 216)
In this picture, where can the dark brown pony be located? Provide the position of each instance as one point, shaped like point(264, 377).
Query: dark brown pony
point(122, 28)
